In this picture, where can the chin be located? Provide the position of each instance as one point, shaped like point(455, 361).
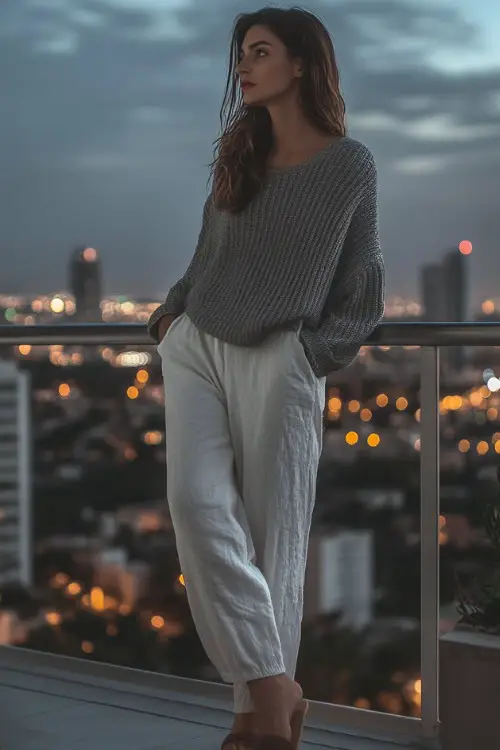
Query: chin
point(253, 99)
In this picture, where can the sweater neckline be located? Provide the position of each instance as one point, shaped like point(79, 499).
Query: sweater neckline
point(318, 156)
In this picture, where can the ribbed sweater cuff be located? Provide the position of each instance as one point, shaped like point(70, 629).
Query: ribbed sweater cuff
point(318, 353)
point(157, 315)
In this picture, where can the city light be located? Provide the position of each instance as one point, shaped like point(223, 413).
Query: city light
point(482, 447)
point(465, 247)
point(60, 579)
point(475, 398)
point(373, 440)
point(142, 376)
point(89, 255)
point(88, 647)
point(97, 598)
point(24, 349)
point(452, 403)
point(74, 588)
point(57, 305)
point(382, 400)
point(53, 618)
point(401, 403)
point(488, 307)
point(464, 446)
point(133, 359)
point(493, 385)
point(365, 415)
point(362, 703)
point(64, 390)
point(354, 406)
point(443, 534)
point(154, 437)
point(181, 580)
point(157, 622)
point(132, 392)
point(334, 404)
point(352, 438)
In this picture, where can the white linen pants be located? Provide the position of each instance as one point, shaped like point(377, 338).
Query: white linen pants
point(244, 434)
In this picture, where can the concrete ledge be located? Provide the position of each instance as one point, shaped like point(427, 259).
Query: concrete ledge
point(469, 691)
point(177, 698)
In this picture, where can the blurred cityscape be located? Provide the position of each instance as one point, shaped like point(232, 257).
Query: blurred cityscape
point(88, 563)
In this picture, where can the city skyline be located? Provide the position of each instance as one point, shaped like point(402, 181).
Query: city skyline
point(113, 107)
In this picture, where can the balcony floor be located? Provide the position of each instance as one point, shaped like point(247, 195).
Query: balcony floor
point(54, 703)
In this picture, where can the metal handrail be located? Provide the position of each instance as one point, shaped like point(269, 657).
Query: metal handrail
point(387, 334)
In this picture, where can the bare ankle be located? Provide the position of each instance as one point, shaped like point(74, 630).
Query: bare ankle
point(281, 688)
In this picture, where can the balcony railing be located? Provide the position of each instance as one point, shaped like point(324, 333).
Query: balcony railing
point(430, 337)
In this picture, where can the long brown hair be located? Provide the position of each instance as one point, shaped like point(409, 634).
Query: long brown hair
point(241, 153)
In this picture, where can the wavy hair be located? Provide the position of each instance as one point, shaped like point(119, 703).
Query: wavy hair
point(241, 153)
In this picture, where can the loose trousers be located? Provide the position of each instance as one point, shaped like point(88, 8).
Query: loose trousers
point(244, 433)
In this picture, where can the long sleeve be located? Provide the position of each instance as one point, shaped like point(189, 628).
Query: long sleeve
point(355, 304)
point(176, 298)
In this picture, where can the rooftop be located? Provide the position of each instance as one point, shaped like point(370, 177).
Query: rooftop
point(54, 703)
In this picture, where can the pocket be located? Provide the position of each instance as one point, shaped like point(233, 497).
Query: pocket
point(174, 323)
point(302, 354)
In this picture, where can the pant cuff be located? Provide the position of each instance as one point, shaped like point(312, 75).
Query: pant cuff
point(270, 669)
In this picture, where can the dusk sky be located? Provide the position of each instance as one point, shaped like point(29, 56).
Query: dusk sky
point(109, 109)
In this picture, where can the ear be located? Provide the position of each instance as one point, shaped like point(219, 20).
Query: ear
point(298, 68)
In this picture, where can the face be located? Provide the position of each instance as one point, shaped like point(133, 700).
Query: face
point(266, 72)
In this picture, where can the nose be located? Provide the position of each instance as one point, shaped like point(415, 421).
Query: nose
point(242, 67)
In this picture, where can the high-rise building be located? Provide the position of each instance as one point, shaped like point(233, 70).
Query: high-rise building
point(15, 476)
point(433, 300)
point(444, 294)
point(444, 287)
point(85, 283)
point(340, 576)
point(455, 276)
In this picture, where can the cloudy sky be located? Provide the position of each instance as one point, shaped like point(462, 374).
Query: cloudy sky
point(109, 109)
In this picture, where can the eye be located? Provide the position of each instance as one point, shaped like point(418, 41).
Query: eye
point(260, 51)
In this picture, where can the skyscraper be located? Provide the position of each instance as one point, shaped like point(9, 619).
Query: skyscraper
point(85, 283)
point(339, 576)
point(433, 298)
point(15, 476)
point(444, 287)
point(455, 266)
point(444, 293)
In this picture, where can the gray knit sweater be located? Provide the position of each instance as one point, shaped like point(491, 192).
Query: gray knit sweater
point(304, 251)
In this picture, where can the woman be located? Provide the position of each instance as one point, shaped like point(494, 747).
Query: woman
point(285, 285)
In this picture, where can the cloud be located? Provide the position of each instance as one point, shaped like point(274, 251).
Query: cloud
point(112, 108)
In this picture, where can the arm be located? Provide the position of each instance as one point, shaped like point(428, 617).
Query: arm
point(176, 299)
point(355, 304)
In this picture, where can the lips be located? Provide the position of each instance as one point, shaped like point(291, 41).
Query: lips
point(246, 85)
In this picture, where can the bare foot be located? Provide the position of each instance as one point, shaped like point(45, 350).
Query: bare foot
point(275, 699)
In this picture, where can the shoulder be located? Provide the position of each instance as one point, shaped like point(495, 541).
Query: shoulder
point(350, 167)
point(358, 157)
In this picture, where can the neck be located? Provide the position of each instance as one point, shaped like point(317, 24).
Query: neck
point(291, 130)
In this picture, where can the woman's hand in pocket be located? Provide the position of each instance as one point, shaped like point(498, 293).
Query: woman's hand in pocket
point(163, 326)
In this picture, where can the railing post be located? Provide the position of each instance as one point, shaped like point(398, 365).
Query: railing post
point(429, 550)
